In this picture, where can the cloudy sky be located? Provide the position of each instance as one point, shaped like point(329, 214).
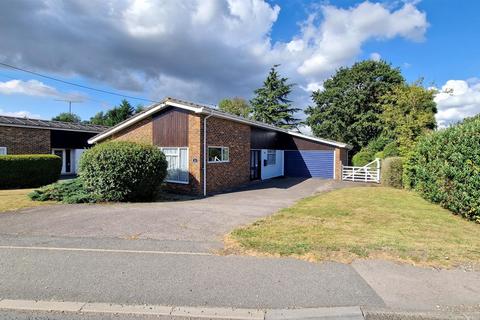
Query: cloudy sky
point(205, 50)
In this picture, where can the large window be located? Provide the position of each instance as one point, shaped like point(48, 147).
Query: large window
point(271, 157)
point(3, 151)
point(177, 159)
point(218, 154)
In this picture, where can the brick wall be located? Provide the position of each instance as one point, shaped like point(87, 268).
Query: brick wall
point(341, 158)
point(25, 140)
point(140, 132)
point(236, 136)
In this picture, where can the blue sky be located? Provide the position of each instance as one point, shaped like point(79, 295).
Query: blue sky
point(225, 49)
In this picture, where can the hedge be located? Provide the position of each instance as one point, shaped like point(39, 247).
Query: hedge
point(28, 171)
point(363, 157)
point(444, 167)
point(122, 171)
point(392, 171)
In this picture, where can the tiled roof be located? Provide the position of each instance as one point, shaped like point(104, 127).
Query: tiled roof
point(49, 124)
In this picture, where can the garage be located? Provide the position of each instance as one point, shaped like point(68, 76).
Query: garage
point(310, 163)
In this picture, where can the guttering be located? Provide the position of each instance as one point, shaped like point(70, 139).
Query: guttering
point(205, 154)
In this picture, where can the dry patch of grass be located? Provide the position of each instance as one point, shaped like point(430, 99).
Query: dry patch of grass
point(18, 199)
point(352, 223)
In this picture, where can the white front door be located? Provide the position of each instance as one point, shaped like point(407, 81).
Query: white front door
point(65, 155)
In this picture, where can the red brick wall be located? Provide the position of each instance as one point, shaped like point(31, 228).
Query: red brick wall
point(236, 136)
point(25, 140)
point(140, 132)
point(341, 158)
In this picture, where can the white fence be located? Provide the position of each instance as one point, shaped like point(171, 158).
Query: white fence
point(368, 173)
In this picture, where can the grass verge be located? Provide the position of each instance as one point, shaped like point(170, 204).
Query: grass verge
point(362, 222)
point(18, 199)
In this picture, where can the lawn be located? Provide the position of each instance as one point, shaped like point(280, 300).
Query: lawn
point(362, 222)
point(17, 199)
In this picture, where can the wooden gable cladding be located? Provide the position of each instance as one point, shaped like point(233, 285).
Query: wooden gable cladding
point(170, 128)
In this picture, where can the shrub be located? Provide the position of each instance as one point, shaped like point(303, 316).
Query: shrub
point(391, 150)
point(123, 171)
point(392, 171)
point(444, 167)
point(363, 157)
point(68, 191)
point(28, 171)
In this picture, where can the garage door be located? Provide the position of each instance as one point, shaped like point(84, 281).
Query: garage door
point(307, 163)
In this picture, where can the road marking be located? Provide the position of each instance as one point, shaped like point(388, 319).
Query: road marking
point(33, 305)
point(181, 253)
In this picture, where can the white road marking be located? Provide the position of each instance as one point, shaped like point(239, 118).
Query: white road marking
point(108, 250)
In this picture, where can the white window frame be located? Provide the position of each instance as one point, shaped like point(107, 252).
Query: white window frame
point(274, 153)
point(188, 165)
point(5, 151)
point(221, 152)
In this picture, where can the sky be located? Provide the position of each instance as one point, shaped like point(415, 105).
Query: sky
point(206, 50)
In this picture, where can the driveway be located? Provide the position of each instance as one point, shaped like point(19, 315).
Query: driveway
point(193, 223)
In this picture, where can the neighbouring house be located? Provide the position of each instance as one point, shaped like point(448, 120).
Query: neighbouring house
point(210, 151)
point(33, 136)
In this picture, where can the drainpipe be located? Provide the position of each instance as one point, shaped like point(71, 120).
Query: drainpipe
point(205, 154)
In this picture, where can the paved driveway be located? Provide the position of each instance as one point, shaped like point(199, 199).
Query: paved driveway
point(201, 220)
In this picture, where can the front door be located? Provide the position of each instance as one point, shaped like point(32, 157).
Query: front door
point(65, 155)
point(255, 164)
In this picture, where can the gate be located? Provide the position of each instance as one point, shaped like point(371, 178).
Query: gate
point(368, 173)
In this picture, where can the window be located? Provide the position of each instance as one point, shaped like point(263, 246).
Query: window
point(3, 151)
point(218, 154)
point(271, 157)
point(177, 170)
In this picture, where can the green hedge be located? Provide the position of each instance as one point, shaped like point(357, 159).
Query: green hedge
point(363, 157)
point(123, 171)
point(28, 171)
point(392, 171)
point(444, 167)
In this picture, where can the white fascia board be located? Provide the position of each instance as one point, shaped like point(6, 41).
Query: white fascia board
point(332, 143)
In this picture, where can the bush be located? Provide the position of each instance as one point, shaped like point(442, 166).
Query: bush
point(363, 157)
point(391, 150)
point(392, 171)
point(68, 191)
point(28, 171)
point(444, 167)
point(123, 171)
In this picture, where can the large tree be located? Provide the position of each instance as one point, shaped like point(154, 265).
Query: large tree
point(236, 106)
point(271, 103)
point(408, 112)
point(67, 117)
point(115, 115)
point(348, 108)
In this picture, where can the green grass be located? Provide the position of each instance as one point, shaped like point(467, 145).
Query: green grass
point(362, 222)
point(16, 199)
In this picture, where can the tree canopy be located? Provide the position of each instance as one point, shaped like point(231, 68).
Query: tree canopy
point(348, 107)
point(271, 104)
point(236, 106)
point(67, 117)
point(115, 115)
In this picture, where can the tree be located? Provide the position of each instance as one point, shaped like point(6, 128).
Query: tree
point(115, 115)
point(348, 108)
point(67, 117)
point(236, 106)
point(271, 104)
point(408, 112)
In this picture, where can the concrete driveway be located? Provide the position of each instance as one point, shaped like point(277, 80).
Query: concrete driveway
point(200, 222)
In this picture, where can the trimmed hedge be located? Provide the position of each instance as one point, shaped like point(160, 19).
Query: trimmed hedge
point(363, 157)
point(123, 171)
point(392, 171)
point(29, 171)
point(444, 167)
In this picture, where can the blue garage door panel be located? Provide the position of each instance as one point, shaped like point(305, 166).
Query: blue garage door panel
point(303, 163)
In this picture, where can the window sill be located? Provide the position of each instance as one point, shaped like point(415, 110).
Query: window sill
point(178, 182)
point(218, 161)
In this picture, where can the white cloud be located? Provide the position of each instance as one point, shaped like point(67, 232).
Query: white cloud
point(375, 56)
point(197, 49)
point(457, 100)
point(35, 88)
point(21, 114)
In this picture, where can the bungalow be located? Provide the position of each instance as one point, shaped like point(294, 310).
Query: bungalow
point(210, 151)
point(33, 136)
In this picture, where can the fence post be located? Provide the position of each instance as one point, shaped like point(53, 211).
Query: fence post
point(378, 169)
